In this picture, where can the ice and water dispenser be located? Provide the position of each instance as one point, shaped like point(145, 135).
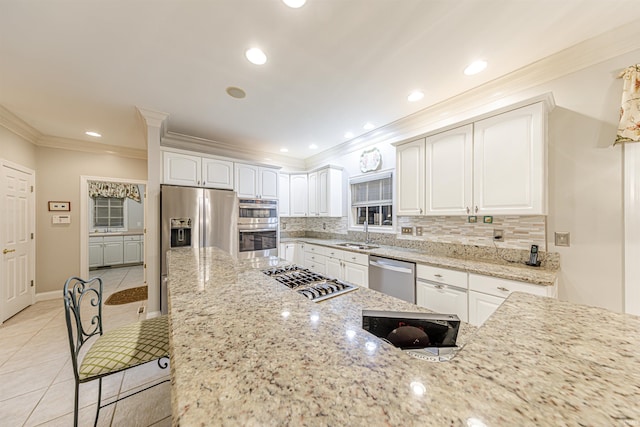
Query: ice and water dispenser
point(180, 232)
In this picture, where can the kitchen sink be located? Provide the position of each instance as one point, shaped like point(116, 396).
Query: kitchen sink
point(357, 245)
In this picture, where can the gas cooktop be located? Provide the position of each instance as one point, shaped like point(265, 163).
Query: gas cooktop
point(312, 285)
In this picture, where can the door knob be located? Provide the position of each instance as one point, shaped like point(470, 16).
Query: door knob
point(6, 251)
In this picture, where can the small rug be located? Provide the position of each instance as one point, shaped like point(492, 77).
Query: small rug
point(127, 296)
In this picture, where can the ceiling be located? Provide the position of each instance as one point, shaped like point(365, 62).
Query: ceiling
point(67, 67)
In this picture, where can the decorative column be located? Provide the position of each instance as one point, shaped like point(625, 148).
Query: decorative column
point(154, 121)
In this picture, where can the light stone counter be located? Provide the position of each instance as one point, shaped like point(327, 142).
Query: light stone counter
point(465, 262)
point(248, 351)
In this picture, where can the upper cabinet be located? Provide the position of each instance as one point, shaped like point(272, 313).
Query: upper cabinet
point(325, 192)
point(256, 181)
point(298, 194)
point(196, 171)
point(284, 206)
point(509, 162)
point(494, 166)
point(410, 178)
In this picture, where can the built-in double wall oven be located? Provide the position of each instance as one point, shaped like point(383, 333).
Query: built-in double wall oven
point(257, 228)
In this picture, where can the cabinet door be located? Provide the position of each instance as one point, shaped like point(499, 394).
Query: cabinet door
point(268, 181)
point(356, 274)
point(284, 202)
point(509, 163)
point(334, 268)
point(329, 193)
point(181, 169)
point(448, 177)
point(313, 193)
point(410, 162)
point(481, 306)
point(95, 254)
point(217, 173)
point(246, 180)
point(299, 191)
point(442, 299)
point(299, 253)
point(323, 192)
point(131, 252)
point(113, 252)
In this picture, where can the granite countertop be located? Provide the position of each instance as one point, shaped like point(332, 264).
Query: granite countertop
point(246, 350)
point(504, 270)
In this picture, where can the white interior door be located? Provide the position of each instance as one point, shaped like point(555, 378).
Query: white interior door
point(18, 254)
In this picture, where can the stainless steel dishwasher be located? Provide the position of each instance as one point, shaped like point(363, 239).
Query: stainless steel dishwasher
point(392, 277)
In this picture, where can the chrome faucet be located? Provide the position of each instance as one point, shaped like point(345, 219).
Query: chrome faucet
point(366, 232)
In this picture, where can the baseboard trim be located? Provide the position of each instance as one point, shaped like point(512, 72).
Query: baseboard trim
point(46, 296)
point(153, 314)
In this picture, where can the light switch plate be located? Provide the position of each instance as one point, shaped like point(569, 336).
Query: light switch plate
point(418, 231)
point(562, 238)
point(406, 230)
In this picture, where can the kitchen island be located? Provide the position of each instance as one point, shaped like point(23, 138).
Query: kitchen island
point(246, 350)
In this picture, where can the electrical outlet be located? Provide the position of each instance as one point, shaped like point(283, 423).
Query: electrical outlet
point(284, 225)
point(324, 225)
point(407, 230)
point(562, 238)
point(498, 235)
point(418, 231)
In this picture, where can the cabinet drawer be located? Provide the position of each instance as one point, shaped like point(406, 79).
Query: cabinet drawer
point(108, 239)
point(320, 250)
point(311, 258)
point(135, 238)
point(356, 258)
point(442, 275)
point(99, 239)
point(503, 287)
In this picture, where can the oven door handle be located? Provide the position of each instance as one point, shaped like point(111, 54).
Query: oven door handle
point(252, 230)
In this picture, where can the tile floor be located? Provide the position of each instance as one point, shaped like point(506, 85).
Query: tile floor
point(36, 377)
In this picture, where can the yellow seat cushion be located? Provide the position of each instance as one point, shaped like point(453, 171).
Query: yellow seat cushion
point(127, 346)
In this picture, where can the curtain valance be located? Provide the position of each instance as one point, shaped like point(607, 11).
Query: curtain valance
point(114, 189)
point(629, 128)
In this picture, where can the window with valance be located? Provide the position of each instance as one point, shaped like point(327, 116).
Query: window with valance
point(115, 190)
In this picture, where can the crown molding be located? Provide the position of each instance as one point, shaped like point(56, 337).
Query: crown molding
point(18, 126)
point(152, 118)
point(508, 91)
point(225, 149)
point(91, 147)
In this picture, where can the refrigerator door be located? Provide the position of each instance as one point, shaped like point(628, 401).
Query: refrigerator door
point(220, 219)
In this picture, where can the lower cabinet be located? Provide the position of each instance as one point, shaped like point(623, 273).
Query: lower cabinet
point(115, 250)
point(487, 293)
point(351, 267)
point(314, 258)
point(442, 290)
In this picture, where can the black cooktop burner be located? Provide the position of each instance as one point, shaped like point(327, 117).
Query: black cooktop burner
point(312, 285)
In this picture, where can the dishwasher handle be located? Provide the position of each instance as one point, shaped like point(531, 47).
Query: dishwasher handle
point(390, 267)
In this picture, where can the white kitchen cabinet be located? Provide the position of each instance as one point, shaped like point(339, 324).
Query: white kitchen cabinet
point(298, 256)
point(351, 267)
point(284, 201)
point(442, 290)
point(314, 258)
point(325, 192)
point(253, 181)
point(495, 166)
point(132, 250)
point(113, 250)
point(196, 171)
point(509, 157)
point(487, 293)
point(299, 191)
point(410, 178)
point(289, 251)
point(96, 251)
point(448, 172)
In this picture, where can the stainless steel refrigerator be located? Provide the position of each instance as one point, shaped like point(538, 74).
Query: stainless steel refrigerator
point(196, 218)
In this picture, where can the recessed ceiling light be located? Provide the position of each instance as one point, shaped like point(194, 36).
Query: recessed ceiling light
point(475, 67)
point(368, 126)
point(236, 92)
point(284, 150)
point(313, 147)
point(92, 133)
point(415, 96)
point(294, 3)
point(256, 56)
point(349, 135)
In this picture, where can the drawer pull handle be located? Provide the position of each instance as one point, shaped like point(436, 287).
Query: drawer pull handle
point(502, 288)
point(353, 257)
point(439, 286)
point(437, 275)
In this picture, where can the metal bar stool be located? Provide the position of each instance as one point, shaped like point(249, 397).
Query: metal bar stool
point(113, 351)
